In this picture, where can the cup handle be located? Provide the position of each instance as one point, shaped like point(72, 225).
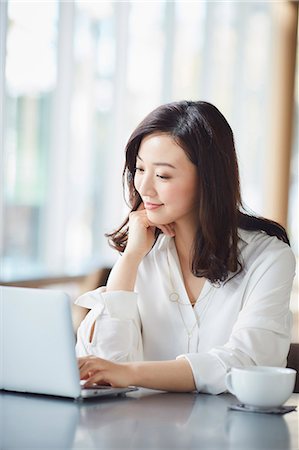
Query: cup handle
point(228, 382)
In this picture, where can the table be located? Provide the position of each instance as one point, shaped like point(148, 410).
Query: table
point(142, 420)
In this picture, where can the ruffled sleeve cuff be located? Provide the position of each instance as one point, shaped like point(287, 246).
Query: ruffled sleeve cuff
point(118, 304)
point(208, 372)
point(121, 304)
point(91, 299)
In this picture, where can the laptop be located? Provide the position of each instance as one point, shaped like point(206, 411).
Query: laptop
point(37, 345)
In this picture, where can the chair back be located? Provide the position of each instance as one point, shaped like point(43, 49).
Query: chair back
point(293, 362)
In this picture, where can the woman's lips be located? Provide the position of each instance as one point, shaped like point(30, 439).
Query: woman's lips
point(152, 206)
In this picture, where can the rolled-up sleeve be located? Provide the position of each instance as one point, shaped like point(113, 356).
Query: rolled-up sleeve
point(115, 322)
point(261, 335)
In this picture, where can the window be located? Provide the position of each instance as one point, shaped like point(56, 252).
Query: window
point(79, 77)
point(30, 81)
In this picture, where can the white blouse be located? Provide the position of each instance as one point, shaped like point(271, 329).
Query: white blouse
point(245, 321)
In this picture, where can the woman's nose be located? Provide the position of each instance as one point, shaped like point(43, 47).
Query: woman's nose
point(147, 188)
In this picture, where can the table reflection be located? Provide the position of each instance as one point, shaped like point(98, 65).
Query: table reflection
point(143, 419)
point(257, 431)
point(30, 421)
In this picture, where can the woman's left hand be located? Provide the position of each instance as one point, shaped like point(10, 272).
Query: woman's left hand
point(173, 375)
point(100, 371)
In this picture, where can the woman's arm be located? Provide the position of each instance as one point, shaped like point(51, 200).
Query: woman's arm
point(174, 375)
point(123, 275)
point(116, 312)
point(140, 241)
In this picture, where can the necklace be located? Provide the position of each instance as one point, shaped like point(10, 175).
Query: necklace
point(174, 297)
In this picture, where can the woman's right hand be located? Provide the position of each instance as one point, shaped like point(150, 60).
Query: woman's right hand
point(140, 240)
point(142, 233)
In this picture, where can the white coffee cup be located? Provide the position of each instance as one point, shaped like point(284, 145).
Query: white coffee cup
point(261, 387)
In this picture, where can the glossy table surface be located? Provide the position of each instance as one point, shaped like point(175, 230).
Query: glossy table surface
point(142, 420)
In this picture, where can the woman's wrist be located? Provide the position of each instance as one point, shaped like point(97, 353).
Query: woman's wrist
point(132, 258)
point(133, 373)
point(123, 274)
point(173, 375)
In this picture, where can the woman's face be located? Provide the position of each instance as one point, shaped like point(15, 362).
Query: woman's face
point(166, 180)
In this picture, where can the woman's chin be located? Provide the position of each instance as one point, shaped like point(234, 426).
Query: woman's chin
point(152, 217)
point(156, 222)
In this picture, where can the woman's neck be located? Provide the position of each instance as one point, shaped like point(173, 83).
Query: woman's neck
point(184, 238)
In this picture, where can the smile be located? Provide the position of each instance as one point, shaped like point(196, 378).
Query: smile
point(152, 206)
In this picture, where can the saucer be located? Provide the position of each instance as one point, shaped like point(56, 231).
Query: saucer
point(257, 409)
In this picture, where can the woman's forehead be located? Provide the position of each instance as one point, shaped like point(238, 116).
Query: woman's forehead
point(159, 147)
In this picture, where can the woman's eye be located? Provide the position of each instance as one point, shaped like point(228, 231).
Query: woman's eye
point(163, 177)
point(140, 170)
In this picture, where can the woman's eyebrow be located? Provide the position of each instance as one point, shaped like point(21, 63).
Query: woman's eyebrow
point(159, 163)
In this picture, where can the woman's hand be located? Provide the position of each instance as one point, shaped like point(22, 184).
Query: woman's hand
point(142, 233)
point(173, 375)
point(100, 371)
point(140, 240)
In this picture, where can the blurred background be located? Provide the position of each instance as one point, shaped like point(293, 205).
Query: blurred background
point(78, 76)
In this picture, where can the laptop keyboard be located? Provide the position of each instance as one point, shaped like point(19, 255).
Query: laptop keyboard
point(94, 386)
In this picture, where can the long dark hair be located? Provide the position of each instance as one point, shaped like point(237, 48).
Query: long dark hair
point(203, 133)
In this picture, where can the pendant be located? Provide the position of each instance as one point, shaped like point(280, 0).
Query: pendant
point(174, 297)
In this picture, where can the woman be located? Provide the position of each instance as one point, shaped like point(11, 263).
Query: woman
point(200, 286)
